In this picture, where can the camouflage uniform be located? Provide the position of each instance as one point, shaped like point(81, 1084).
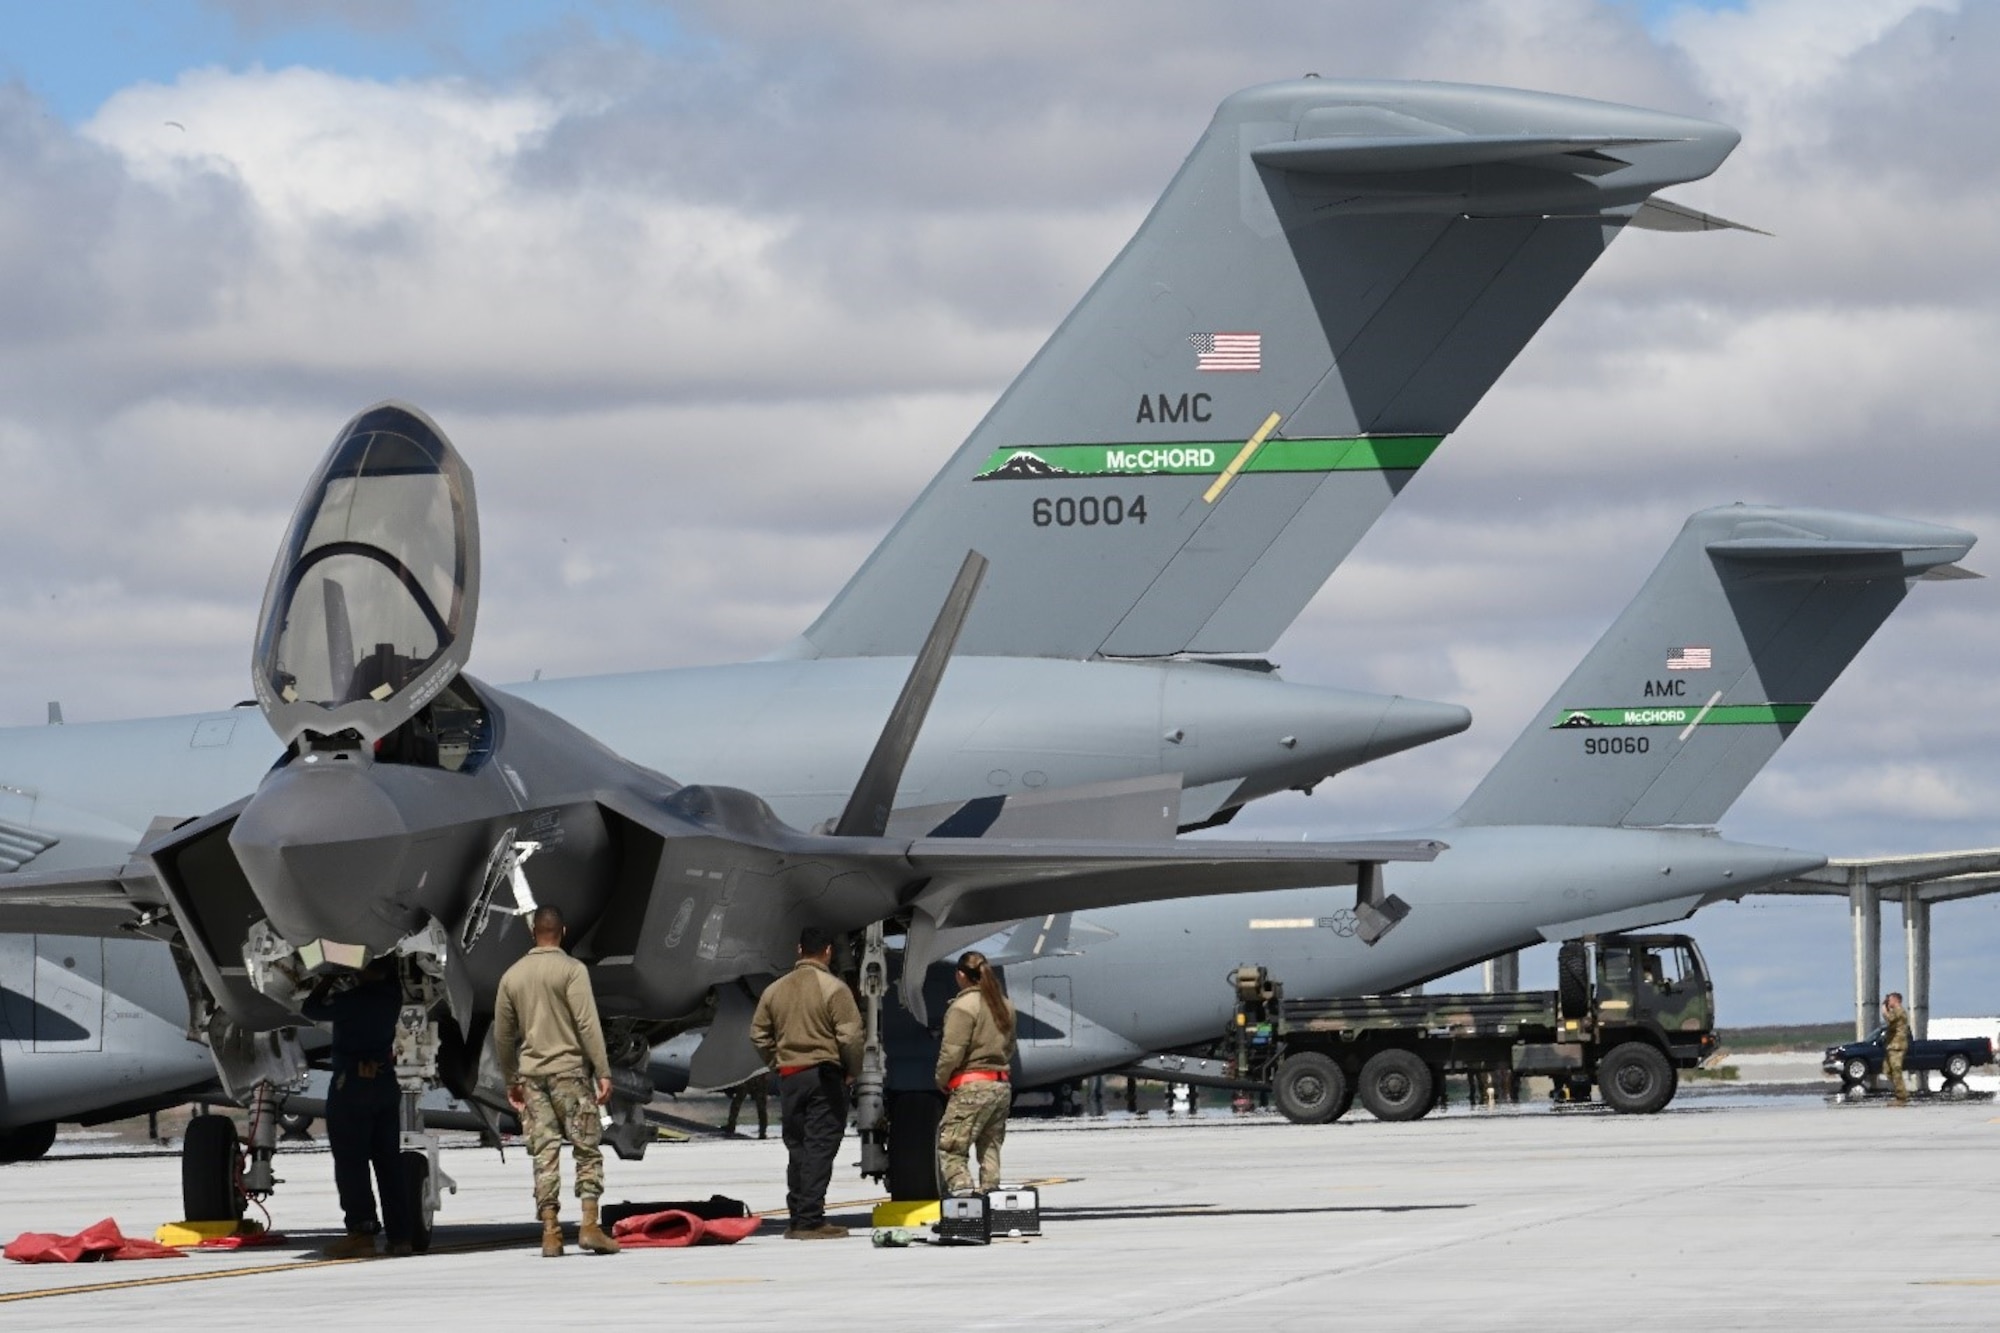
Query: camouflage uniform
point(1895, 1045)
point(546, 1034)
point(563, 1106)
point(976, 1116)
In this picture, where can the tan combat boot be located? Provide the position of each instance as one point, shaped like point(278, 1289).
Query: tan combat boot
point(592, 1237)
point(552, 1240)
point(354, 1245)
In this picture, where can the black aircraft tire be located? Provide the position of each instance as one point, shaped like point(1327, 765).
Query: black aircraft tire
point(28, 1142)
point(416, 1175)
point(208, 1170)
point(1396, 1085)
point(1635, 1079)
point(913, 1155)
point(1311, 1089)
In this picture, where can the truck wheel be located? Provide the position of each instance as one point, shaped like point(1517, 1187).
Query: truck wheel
point(1311, 1089)
point(1396, 1085)
point(1955, 1067)
point(1855, 1071)
point(209, 1163)
point(1635, 1078)
point(913, 1150)
point(28, 1142)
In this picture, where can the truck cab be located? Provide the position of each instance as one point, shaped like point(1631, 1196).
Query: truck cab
point(1657, 985)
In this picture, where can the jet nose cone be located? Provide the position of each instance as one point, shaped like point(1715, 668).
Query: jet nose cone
point(321, 846)
point(1407, 723)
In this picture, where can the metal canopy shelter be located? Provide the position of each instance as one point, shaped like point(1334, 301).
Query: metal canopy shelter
point(1918, 882)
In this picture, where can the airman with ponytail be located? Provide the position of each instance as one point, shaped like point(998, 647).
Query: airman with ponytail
point(973, 1067)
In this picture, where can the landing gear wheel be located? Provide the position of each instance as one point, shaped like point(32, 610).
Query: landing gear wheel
point(1311, 1089)
point(1955, 1068)
point(28, 1142)
point(913, 1152)
point(210, 1160)
point(416, 1179)
point(1396, 1085)
point(1636, 1079)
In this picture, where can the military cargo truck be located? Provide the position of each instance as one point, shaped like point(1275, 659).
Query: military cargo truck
point(1629, 1012)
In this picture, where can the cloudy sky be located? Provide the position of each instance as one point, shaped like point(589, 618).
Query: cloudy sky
point(617, 248)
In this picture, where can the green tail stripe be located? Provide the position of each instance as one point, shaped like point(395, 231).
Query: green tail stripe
point(1359, 453)
point(1679, 715)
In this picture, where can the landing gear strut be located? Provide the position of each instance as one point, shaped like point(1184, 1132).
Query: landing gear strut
point(871, 1110)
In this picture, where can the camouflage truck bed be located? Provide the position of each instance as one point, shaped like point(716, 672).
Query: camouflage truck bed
point(1465, 1015)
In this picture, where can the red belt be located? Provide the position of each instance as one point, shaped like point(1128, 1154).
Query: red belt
point(977, 1076)
point(786, 1071)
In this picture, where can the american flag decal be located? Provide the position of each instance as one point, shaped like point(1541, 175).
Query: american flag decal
point(1689, 659)
point(1227, 351)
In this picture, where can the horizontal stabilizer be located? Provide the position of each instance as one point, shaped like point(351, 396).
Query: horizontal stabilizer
point(1360, 154)
point(1787, 556)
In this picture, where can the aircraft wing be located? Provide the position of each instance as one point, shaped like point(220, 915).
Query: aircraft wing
point(974, 882)
point(99, 900)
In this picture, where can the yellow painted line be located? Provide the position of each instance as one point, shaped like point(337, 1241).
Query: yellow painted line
point(1242, 458)
point(171, 1278)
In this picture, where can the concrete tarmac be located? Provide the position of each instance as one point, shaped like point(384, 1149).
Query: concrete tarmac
point(1725, 1211)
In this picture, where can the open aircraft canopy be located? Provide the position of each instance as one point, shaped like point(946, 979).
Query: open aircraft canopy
point(369, 610)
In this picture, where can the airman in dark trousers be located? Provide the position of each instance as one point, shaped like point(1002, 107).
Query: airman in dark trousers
point(808, 1028)
point(1895, 1044)
point(552, 1056)
point(363, 1102)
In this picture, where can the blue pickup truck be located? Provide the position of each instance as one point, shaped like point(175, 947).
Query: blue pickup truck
point(1858, 1062)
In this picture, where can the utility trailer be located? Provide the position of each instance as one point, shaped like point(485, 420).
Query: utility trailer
point(1629, 1012)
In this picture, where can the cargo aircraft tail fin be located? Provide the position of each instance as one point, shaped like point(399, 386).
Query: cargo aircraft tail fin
point(1748, 619)
point(1333, 279)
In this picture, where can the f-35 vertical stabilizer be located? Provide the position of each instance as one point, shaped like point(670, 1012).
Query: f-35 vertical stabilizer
point(1337, 274)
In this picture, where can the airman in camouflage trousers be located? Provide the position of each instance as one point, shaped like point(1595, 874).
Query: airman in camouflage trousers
point(974, 1055)
point(563, 1106)
point(1896, 1045)
point(976, 1115)
point(552, 1058)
